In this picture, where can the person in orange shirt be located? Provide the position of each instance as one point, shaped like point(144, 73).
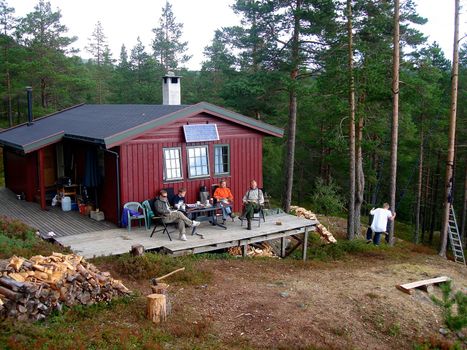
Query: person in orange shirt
point(225, 198)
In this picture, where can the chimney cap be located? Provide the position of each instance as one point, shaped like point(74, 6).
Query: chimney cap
point(28, 88)
point(171, 75)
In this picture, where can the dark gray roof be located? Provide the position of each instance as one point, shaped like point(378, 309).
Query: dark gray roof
point(110, 124)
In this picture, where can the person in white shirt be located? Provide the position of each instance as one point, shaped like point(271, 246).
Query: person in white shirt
point(380, 222)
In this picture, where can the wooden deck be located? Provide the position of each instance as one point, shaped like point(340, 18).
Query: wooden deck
point(118, 241)
point(51, 220)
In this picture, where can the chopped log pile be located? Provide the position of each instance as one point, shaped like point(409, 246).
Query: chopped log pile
point(258, 249)
point(325, 235)
point(30, 289)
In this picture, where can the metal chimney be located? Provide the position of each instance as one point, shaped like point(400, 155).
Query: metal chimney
point(29, 94)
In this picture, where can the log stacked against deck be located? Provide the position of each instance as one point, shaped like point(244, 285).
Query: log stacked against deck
point(30, 289)
point(325, 235)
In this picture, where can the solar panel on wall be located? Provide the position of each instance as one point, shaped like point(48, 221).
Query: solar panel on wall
point(200, 132)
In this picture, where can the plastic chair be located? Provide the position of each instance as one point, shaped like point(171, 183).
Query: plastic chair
point(135, 207)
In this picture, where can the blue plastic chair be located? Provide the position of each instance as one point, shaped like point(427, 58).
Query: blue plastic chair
point(135, 207)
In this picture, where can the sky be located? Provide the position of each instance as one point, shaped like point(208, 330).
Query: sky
point(123, 21)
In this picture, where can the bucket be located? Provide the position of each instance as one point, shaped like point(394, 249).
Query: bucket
point(66, 203)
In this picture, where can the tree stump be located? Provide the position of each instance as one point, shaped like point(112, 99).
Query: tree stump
point(137, 250)
point(157, 307)
point(163, 288)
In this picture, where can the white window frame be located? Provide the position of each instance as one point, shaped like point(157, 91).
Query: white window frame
point(190, 175)
point(228, 159)
point(180, 167)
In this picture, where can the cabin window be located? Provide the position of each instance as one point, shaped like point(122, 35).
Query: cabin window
point(221, 159)
point(198, 164)
point(172, 163)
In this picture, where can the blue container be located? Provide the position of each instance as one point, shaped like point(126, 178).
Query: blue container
point(74, 206)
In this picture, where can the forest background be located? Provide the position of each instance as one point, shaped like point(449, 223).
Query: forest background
point(287, 56)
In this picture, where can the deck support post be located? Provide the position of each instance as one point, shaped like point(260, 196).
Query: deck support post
point(283, 245)
point(245, 250)
point(305, 243)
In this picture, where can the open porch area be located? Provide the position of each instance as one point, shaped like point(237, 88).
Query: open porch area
point(118, 241)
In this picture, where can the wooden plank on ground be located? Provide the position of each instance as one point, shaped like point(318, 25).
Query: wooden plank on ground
point(407, 288)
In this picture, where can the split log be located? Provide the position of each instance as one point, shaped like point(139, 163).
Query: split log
point(10, 294)
point(156, 307)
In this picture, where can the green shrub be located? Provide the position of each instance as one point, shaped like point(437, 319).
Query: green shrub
point(19, 239)
point(151, 265)
point(454, 322)
point(326, 198)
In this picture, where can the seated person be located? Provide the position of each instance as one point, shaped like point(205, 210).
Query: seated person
point(162, 208)
point(225, 198)
point(252, 201)
point(178, 201)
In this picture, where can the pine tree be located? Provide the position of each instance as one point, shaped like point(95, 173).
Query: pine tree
point(101, 58)
point(8, 23)
point(168, 48)
point(43, 34)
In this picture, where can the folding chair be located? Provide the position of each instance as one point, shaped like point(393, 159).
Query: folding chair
point(159, 221)
point(258, 218)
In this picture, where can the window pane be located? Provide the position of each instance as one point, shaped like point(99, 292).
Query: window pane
point(198, 161)
point(172, 163)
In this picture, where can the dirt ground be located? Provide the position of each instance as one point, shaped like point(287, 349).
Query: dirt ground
point(351, 304)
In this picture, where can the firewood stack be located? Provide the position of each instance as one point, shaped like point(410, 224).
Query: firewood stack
point(30, 289)
point(326, 236)
point(258, 249)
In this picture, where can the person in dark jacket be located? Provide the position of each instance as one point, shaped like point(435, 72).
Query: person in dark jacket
point(162, 208)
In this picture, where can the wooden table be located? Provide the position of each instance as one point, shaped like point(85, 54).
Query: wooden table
point(204, 213)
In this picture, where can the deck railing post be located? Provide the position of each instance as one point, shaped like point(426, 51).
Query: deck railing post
point(305, 243)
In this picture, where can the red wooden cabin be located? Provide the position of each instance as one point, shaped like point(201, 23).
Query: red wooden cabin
point(136, 150)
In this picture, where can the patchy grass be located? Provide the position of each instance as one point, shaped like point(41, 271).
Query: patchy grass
point(119, 324)
point(19, 239)
point(155, 265)
point(319, 251)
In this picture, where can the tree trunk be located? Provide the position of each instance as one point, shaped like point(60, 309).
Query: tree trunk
point(426, 198)
point(292, 124)
point(434, 207)
point(462, 232)
point(395, 116)
point(351, 217)
point(419, 190)
point(360, 178)
point(452, 134)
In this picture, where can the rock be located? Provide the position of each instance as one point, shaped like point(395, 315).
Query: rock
point(284, 294)
point(460, 335)
point(443, 331)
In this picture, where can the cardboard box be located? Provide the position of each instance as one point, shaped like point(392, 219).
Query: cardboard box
point(97, 215)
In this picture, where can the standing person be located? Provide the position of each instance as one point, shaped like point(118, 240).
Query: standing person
point(380, 223)
point(252, 201)
point(225, 198)
point(162, 208)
